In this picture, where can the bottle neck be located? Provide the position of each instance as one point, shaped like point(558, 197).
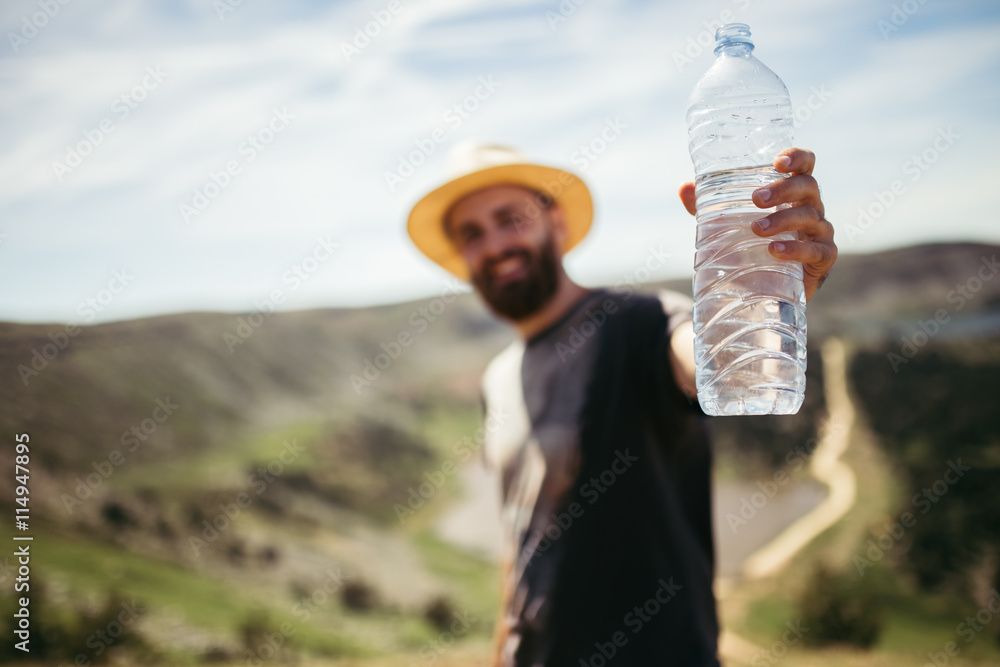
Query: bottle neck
point(742, 49)
point(733, 39)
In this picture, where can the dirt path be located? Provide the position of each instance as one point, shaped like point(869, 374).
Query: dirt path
point(826, 467)
point(473, 522)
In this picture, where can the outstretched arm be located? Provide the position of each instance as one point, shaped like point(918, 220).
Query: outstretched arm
point(678, 308)
point(682, 358)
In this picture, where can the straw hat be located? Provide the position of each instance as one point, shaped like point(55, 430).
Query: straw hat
point(476, 166)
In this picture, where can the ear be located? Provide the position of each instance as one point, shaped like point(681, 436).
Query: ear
point(446, 225)
point(560, 232)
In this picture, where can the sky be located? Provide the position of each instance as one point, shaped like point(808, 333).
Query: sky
point(232, 155)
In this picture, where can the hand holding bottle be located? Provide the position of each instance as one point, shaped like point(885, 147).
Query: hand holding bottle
point(815, 248)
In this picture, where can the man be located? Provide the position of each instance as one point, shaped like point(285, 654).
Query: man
point(604, 461)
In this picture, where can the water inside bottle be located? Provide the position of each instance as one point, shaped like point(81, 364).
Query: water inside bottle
point(749, 315)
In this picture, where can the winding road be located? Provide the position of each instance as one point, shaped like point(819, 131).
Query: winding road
point(826, 467)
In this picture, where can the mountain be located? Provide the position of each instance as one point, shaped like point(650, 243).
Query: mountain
point(147, 436)
point(80, 393)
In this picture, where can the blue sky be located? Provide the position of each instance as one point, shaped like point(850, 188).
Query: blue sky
point(164, 95)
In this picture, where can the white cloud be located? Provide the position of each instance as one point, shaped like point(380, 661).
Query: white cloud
point(354, 120)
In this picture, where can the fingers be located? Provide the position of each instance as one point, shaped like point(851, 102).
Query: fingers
point(817, 258)
point(797, 189)
point(815, 248)
point(795, 161)
point(803, 219)
point(815, 254)
point(686, 194)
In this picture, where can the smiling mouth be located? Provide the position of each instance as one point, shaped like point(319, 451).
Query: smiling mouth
point(508, 270)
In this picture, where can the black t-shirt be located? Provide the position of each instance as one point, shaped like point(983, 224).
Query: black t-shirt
point(606, 491)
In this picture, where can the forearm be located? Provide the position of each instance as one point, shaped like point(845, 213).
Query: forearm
point(682, 358)
point(679, 309)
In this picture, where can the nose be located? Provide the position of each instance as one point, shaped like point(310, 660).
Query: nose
point(496, 245)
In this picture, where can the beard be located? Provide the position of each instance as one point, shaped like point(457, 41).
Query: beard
point(521, 298)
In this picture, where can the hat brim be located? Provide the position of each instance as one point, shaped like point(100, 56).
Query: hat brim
point(426, 222)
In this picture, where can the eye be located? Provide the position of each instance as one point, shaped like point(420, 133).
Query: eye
point(467, 235)
point(512, 219)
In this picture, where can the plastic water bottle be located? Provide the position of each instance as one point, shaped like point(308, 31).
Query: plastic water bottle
point(750, 308)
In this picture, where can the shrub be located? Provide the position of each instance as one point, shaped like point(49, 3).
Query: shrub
point(439, 612)
point(358, 595)
point(842, 608)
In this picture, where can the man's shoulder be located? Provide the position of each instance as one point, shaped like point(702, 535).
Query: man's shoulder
point(505, 366)
point(654, 310)
point(674, 301)
point(670, 301)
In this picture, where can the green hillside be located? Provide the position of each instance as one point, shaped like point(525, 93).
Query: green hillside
point(237, 475)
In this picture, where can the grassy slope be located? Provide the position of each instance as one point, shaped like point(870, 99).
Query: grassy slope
point(292, 377)
point(916, 623)
point(214, 603)
point(204, 597)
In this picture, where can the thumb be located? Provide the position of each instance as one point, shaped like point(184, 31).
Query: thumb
point(686, 194)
